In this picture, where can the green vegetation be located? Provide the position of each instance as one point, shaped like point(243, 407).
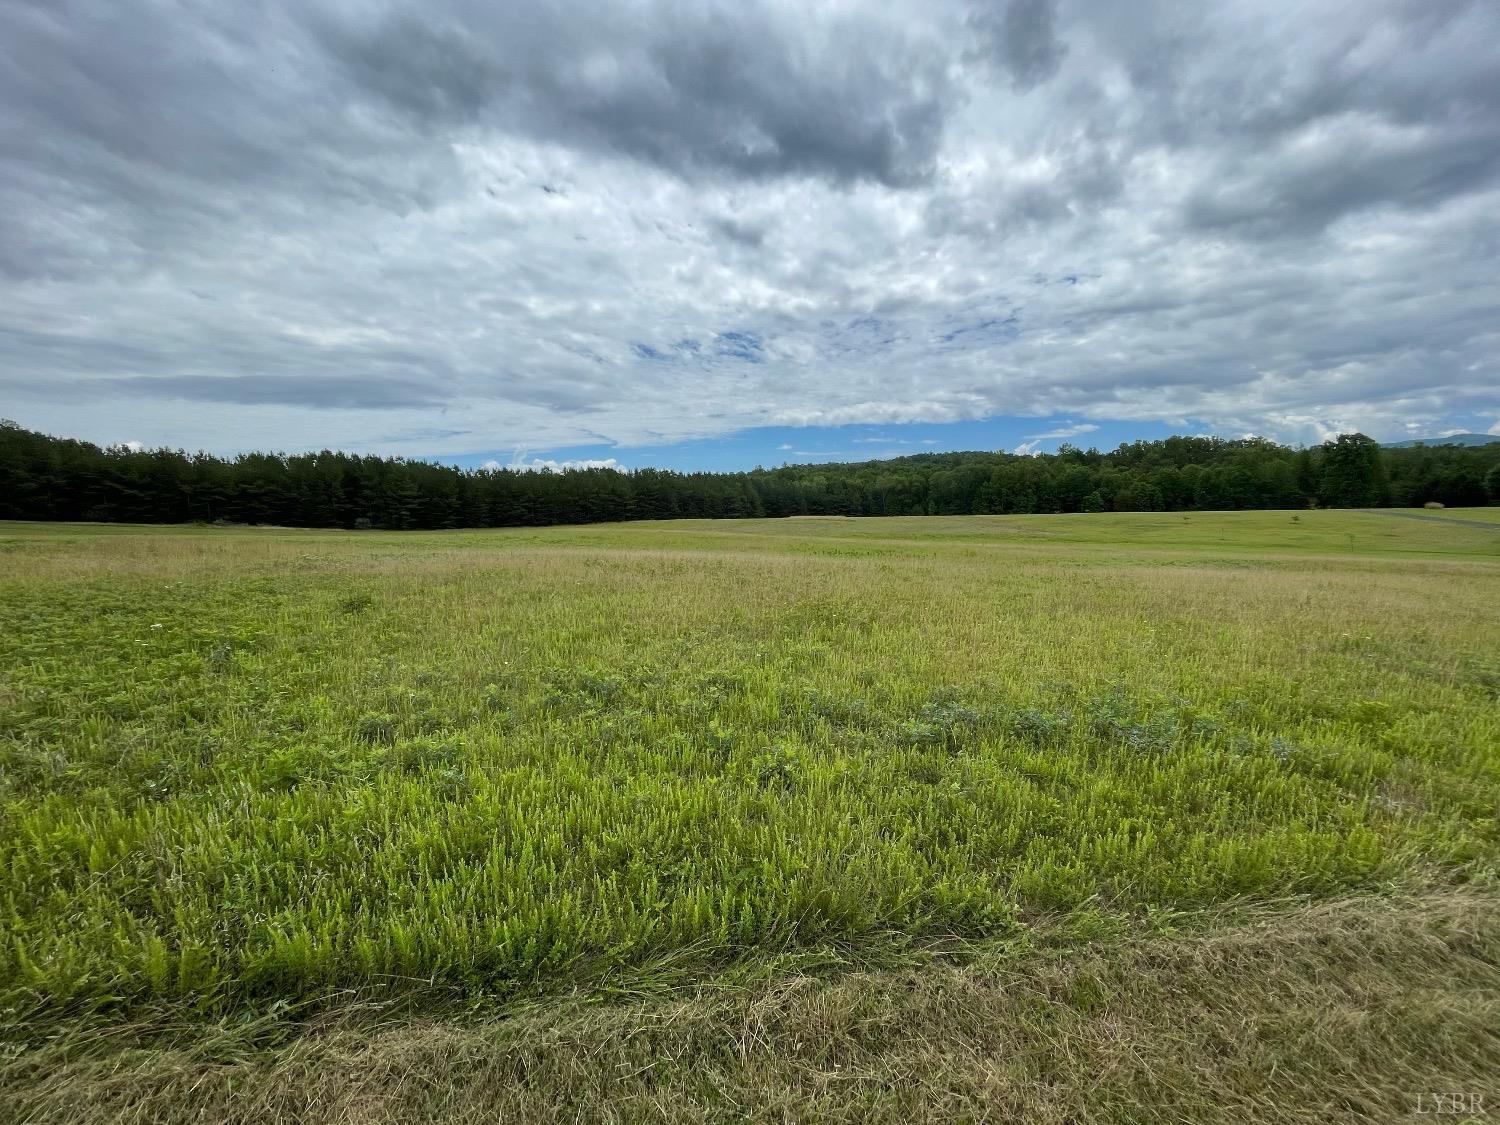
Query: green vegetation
point(257, 776)
point(47, 478)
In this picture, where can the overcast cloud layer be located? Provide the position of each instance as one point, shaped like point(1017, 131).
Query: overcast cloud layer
point(448, 226)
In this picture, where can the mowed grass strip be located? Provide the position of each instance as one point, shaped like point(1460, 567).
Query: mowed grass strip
point(1363, 1009)
point(248, 768)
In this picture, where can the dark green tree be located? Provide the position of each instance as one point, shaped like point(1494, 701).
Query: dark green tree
point(1352, 474)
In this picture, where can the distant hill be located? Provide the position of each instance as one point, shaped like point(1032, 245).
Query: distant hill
point(1451, 439)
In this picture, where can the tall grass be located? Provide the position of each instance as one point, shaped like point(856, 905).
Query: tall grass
point(244, 767)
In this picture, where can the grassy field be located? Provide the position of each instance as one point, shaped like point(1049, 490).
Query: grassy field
point(284, 810)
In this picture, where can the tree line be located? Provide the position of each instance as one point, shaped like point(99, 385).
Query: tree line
point(50, 478)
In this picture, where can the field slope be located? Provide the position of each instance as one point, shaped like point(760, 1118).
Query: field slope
point(1062, 817)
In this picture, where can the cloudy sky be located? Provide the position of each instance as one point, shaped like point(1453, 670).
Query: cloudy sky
point(728, 233)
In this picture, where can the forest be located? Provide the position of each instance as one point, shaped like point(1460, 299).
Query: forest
point(50, 478)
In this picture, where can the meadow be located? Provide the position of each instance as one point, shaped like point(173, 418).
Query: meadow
point(260, 782)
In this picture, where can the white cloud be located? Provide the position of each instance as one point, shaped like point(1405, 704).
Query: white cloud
point(546, 465)
point(1068, 431)
point(521, 464)
point(1031, 447)
point(952, 408)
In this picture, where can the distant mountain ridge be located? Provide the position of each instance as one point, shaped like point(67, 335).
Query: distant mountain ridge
point(1451, 439)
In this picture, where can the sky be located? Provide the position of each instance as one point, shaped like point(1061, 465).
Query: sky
point(714, 235)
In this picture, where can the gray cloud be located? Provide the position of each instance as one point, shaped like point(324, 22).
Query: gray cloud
point(322, 392)
point(509, 225)
point(1021, 37)
point(721, 87)
point(1352, 169)
point(751, 235)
